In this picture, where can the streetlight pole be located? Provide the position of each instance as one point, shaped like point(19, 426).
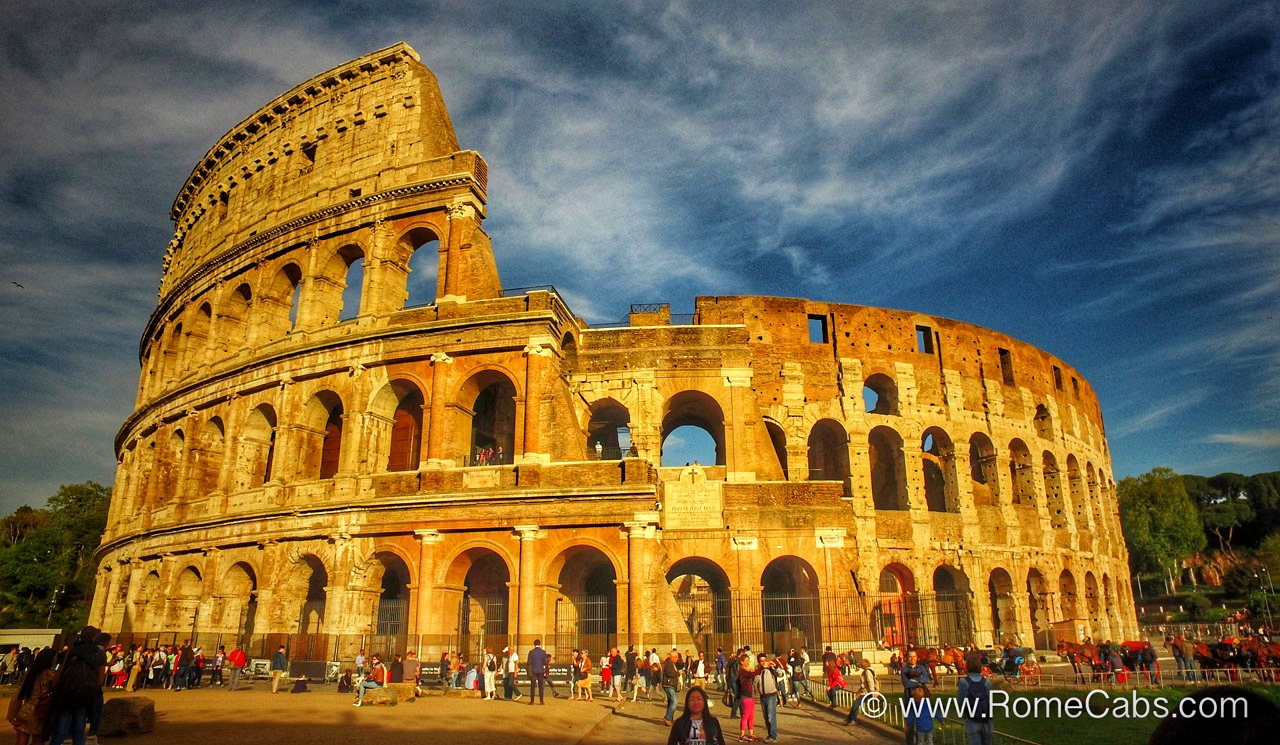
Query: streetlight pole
point(1266, 600)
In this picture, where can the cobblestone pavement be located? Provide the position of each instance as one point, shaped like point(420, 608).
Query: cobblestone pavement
point(219, 717)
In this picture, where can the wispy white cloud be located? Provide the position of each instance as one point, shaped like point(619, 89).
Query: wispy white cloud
point(1254, 439)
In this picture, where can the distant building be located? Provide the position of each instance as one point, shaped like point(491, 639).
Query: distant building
point(349, 433)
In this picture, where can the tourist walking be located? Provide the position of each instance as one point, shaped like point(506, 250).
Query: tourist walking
point(237, 660)
point(867, 685)
point(670, 678)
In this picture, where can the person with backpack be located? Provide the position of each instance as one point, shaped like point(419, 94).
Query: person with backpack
point(80, 679)
point(918, 721)
point(770, 682)
point(973, 694)
point(489, 664)
point(868, 684)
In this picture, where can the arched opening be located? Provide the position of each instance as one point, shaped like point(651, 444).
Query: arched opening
point(569, 352)
point(352, 260)
point(484, 607)
point(880, 395)
point(792, 615)
point(493, 421)
point(954, 607)
point(197, 343)
point(422, 286)
point(1079, 503)
point(405, 447)
point(258, 448)
point(1044, 422)
point(984, 479)
point(147, 605)
point(321, 432)
point(240, 592)
point(184, 605)
point(169, 490)
point(392, 622)
point(1004, 613)
point(608, 431)
point(829, 453)
point(888, 477)
point(701, 590)
point(1053, 496)
point(778, 439)
point(206, 459)
point(937, 456)
point(1020, 473)
point(688, 411)
point(173, 354)
point(1093, 603)
point(304, 591)
point(895, 616)
point(280, 304)
point(233, 320)
point(586, 611)
point(1037, 603)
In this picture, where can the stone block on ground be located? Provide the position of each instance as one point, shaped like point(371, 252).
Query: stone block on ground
point(404, 691)
point(127, 715)
point(383, 696)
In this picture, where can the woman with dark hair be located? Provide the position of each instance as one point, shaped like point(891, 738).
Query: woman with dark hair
point(26, 711)
point(696, 726)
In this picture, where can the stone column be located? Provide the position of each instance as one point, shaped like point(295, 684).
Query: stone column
point(636, 533)
point(526, 615)
point(428, 539)
point(451, 253)
point(536, 354)
point(436, 422)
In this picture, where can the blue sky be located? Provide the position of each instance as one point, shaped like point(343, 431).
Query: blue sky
point(1101, 180)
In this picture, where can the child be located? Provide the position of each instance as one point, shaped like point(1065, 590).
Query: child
point(919, 719)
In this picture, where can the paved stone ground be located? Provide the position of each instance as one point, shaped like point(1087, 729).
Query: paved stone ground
point(220, 717)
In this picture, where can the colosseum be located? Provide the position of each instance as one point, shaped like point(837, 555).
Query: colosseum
point(349, 433)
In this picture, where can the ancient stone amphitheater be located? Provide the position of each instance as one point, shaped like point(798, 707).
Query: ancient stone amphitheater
point(348, 433)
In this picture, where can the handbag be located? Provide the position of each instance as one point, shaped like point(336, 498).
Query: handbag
point(728, 698)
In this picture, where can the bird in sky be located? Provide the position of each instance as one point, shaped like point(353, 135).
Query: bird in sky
point(15, 284)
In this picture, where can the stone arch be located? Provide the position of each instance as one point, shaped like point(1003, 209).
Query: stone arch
point(586, 613)
point(694, 409)
point(938, 461)
point(280, 303)
point(488, 399)
point(829, 453)
point(701, 590)
point(778, 439)
point(888, 474)
point(397, 425)
point(880, 395)
point(790, 604)
point(569, 353)
point(1020, 473)
point(148, 604)
point(1093, 603)
point(207, 453)
point(303, 595)
point(423, 281)
point(1044, 422)
point(320, 436)
point(1113, 612)
point(170, 483)
point(392, 619)
point(233, 320)
point(895, 616)
point(1004, 610)
point(184, 598)
point(954, 606)
point(342, 280)
point(484, 573)
point(1053, 494)
point(1079, 501)
point(256, 461)
point(239, 590)
point(609, 424)
point(984, 471)
point(197, 343)
point(173, 351)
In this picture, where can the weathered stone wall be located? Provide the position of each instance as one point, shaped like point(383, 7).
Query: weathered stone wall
point(311, 456)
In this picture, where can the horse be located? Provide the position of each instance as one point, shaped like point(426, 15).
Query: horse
point(1079, 655)
point(949, 657)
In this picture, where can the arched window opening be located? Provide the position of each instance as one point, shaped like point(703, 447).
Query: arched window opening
point(258, 445)
point(880, 395)
point(484, 608)
point(1037, 600)
point(607, 430)
point(586, 613)
point(493, 425)
point(423, 283)
point(984, 480)
point(829, 453)
point(1044, 422)
point(185, 601)
point(393, 604)
point(887, 470)
point(1069, 610)
point(353, 281)
point(197, 344)
point(895, 615)
point(791, 607)
point(173, 354)
point(170, 491)
point(1020, 473)
point(240, 593)
point(233, 321)
point(310, 580)
point(682, 445)
point(1053, 493)
point(206, 458)
point(281, 303)
point(701, 590)
point(937, 456)
point(953, 601)
point(779, 440)
point(331, 446)
point(1079, 502)
point(406, 428)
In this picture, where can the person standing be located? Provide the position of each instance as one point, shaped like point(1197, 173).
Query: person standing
point(279, 664)
point(696, 726)
point(746, 691)
point(867, 685)
point(80, 678)
point(360, 660)
point(538, 665)
point(973, 694)
point(720, 663)
point(770, 693)
point(510, 668)
point(584, 675)
point(914, 673)
point(629, 669)
point(617, 671)
point(413, 671)
point(25, 708)
point(238, 661)
point(219, 661)
point(670, 679)
point(182, 673)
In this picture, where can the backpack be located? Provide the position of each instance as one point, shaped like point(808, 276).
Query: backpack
point(491, 665)
point(1148, 655)
point(977, 701)
point(77, 684)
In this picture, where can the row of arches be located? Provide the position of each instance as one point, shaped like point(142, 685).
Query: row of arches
point(265, 303)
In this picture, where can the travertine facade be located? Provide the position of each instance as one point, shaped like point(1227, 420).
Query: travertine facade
point(302, 458)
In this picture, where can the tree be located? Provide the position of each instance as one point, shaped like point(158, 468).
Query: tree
point(1160, 524)
point(1221, 519)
